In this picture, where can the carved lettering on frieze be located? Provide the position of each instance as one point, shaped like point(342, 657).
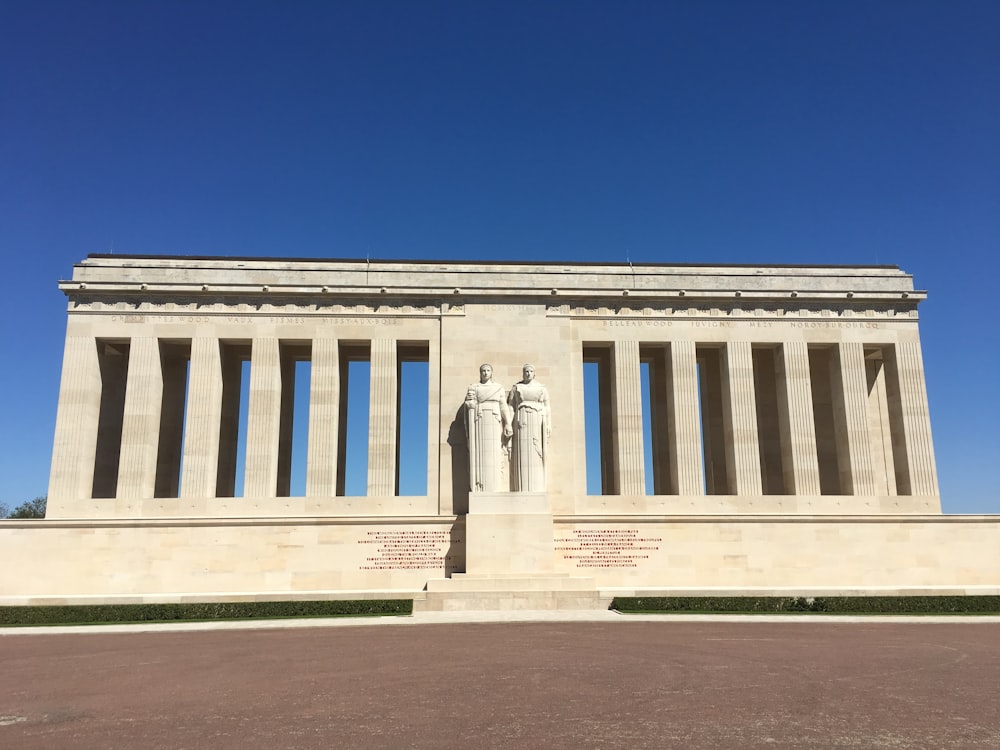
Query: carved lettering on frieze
point(144, 318)
point(637, 323)
point(835, 324)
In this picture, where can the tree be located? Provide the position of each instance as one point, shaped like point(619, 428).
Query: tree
point(30, 509)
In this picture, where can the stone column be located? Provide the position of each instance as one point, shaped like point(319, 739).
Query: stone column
point(382, 419)
point(74, 449)
point(627, 430)
point(740, 419)
point(203, 420)
point(141, 422)
point(799, 459)
point(909, 397)
point(850, 403)
point(879, 428)
point(324, 419)
point(260, 476)
point(687, 476)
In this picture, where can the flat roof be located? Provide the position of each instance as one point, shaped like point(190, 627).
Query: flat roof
point(626, 264)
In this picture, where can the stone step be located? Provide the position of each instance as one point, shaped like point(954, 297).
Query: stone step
point(470, 592)
point(502, 582)
point(454, 601)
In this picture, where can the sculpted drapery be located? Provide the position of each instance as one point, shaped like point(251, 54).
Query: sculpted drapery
point(529, 401)
point(488, 429)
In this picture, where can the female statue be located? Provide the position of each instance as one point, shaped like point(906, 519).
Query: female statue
point(487, 427)
point(532, 424)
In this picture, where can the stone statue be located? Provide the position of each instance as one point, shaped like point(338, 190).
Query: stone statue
point(529, 400)
point(488, 429)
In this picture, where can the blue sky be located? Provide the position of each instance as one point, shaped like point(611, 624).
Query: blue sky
point(721, 132)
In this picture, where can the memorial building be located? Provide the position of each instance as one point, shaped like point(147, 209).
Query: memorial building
point(785, 409)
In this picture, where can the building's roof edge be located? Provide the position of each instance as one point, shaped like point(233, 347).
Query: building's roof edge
point(401, 261)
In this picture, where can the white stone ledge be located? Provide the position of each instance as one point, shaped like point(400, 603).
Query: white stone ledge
point(843, 590)
point(811, 505)
point(448, 292)
point(748, 518)
point(238, 275)
point(185, 521)
point(55, 600)
point(255, 507)
point(742, 518)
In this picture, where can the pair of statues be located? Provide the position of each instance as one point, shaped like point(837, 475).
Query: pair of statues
point(512, 427)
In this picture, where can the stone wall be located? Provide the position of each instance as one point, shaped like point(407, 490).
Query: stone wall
point(178, 561)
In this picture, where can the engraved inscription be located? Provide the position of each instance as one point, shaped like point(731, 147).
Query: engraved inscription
point(139, 318)
point(607, 548)
point(406, 550)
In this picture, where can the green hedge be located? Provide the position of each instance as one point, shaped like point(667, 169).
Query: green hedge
point(845, 605)
point(126, 613)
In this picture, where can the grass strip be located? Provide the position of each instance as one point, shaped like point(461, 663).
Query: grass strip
point(834, 605)
point(92, 614)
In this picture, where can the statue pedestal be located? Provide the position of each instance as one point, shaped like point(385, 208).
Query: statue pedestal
point(510, 561)
point(509, 533)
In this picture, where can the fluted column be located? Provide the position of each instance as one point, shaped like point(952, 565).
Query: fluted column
point(850, 403)
point(203, 420)
point(382, 419)
point(687, 476)
point(740, 419)
point(141, 421)
point(260, 476)
point(879, 427)
point(914, 417)
point(324, 417)
point(74, 449)
point(799, 461)
point(627, 427)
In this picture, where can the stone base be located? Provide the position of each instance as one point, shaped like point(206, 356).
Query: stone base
point(510, 561)
point(464, 592)
point(509, 533)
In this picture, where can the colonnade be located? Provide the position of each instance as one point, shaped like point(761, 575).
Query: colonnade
point(726, 418)
point(121, 429)
point(745, 419)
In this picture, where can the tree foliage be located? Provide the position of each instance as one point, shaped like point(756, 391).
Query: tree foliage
point(30, 509)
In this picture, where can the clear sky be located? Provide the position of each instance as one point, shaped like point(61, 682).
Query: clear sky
point(720, 132)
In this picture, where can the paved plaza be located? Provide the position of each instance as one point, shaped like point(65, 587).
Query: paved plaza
point(621, 683)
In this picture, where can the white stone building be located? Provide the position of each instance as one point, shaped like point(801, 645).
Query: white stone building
point(790, 434)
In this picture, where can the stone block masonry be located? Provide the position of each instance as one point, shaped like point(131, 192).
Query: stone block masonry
point(782, 408)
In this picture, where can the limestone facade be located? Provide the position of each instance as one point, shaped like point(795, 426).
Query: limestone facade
point(786, 409)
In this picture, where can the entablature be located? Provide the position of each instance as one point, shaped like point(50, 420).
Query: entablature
point(324, 282)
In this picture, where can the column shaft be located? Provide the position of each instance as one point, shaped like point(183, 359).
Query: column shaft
point(203, 422)
point(798, 428)
point(854, 453)
point(260, 477)
point(382, 419)
point(879, 429)
point(141, 422)
point(627, 429)
point(919, 476)
point(687, 476)
point(75, 446)
point(324, 418)
point(740, 419)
